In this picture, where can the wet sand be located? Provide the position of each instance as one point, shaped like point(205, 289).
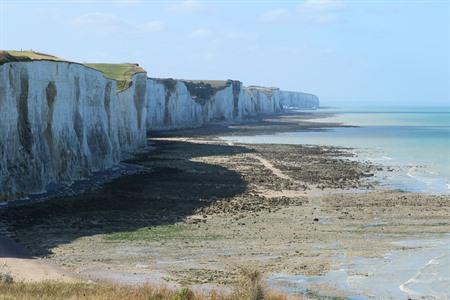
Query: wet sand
point(202, 208)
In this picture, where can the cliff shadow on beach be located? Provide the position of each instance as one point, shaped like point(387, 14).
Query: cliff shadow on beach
point(171, 187)
point(289, 121)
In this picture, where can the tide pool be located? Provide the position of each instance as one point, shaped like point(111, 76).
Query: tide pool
point(414, 140)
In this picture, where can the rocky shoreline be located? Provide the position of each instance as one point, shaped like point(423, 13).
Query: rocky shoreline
point(202, 208)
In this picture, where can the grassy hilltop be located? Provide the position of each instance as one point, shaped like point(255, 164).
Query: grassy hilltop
point(122, 73)
point(13, 55)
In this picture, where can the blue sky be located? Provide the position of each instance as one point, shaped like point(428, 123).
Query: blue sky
point(346, 52)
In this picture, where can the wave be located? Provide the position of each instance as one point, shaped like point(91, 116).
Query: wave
point(432, 280)
point(427, 180)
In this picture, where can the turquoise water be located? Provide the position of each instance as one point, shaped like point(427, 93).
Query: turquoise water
point(414, 140)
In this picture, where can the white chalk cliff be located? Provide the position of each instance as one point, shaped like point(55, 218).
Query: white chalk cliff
point(175, 104)
point(62, 121)
point(299, 100)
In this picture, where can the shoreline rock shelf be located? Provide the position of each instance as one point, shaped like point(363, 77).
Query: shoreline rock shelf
point(61, 121)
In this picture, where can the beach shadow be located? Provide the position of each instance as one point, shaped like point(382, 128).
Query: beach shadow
point(262, 125)
point(170, 188)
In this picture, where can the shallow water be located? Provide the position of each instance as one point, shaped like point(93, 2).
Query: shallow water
point(422, 271)
point(414, 140)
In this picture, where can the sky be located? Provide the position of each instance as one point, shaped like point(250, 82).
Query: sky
point(360, 52)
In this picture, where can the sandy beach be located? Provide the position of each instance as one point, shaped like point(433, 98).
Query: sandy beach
point(202, 208)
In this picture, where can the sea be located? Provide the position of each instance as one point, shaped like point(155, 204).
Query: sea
point(421, 271)
point(414, 141)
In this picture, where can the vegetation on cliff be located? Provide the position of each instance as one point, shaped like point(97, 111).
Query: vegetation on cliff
point(16, 56)
point(122, 73)
point(262, 89)
point(203, 90)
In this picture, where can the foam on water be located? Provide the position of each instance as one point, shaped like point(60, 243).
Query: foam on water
point(431, 279)
point(420, 271)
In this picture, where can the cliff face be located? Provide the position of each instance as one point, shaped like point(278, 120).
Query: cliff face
point(175, 104)
point(62, 121)
point(298, 100)
point(170, 105)
point(219, 108)
point(132, 111)
point(260, 101)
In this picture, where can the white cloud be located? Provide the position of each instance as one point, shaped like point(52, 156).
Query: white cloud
point(215, 37)
point(288, 50)
point(127, 2)
point(111, 24)
point(152, 26)
point(115, 2)
point(323, 5)
point(101, 22)
point(231, 35)
point(186, 6)
point(274, 15)
point(321, 11)
point(200, 33)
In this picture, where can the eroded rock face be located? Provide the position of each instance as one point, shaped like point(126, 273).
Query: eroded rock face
point(132, 112)
point(61, 121)
point(173, 104)
point(260, 101)
point(298, 100)
point(170, 105)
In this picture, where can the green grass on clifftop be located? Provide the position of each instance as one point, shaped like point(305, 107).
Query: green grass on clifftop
point(13, 55)
point(122, 73)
